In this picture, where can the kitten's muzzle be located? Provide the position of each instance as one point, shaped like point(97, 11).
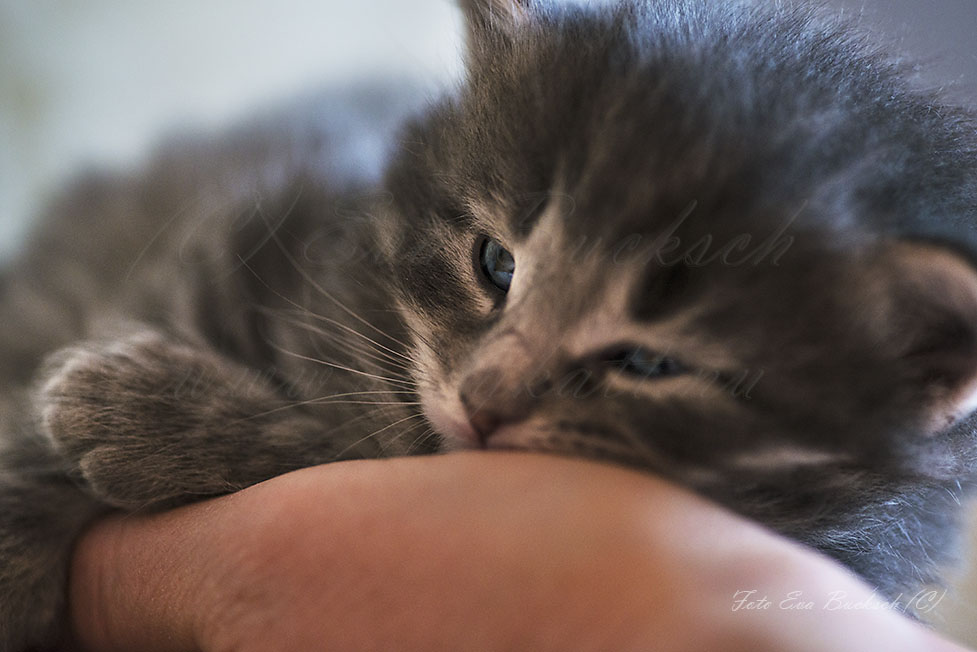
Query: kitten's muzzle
point(491, 402)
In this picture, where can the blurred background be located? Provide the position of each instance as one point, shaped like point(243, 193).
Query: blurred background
point(98, 81)
point(86, 82)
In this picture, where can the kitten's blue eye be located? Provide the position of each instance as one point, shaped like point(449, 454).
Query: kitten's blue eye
point(645, 364)
point(498, 265)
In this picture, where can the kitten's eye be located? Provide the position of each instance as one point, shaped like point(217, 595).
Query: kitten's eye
point(645, 364)
point(497, 264)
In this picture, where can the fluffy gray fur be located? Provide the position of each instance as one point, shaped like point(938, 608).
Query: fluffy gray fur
point(252, 304)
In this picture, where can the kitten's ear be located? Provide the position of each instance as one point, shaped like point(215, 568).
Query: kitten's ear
point(931, 325)
point(494, 16)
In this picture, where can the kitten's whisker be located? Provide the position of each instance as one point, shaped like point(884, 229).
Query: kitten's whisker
point(405, 403)
point(324, 399)
point(180, 212)
point(419, 336)
point(272, 231)
point(954, 497)
point(315, 284)
point(305, 311)
point(379, 356)
point(396, 381)
point(380, 347)
point(429, 434)
point(362, 351)
point(400, 437)
point(377, 432)
point(358, 418)
point(421, 437)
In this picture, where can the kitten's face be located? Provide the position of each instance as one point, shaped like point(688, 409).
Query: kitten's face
point(603, 258)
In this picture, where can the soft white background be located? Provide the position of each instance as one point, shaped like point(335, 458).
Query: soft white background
point(96, 80)
point(85, 81)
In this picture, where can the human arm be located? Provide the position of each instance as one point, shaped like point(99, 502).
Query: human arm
point(465, 551)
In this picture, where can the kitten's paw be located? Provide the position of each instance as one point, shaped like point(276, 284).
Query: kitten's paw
point(139, 419)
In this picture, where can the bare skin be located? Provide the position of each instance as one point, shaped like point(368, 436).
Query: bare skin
point(463, 552)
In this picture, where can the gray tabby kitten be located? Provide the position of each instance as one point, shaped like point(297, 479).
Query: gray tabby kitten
point(724, 244)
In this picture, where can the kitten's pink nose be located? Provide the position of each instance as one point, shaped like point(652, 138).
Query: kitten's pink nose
point(491, 402)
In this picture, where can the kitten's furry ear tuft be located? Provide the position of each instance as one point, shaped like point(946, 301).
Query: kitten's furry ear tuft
point(931, 325)
point(498, 16)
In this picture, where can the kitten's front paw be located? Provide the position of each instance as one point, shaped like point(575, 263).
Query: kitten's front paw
point(128, 416)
